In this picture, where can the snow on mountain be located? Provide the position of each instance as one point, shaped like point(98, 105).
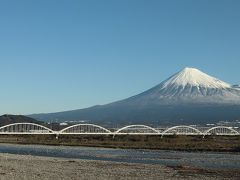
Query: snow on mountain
point(189, 86)
point(194, 77)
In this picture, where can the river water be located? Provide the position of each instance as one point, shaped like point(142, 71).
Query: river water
point(205, 160)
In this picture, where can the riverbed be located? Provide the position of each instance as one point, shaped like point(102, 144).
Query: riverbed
point(113, 163)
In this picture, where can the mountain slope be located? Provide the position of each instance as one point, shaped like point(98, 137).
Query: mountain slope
point(189, 96)
point(9, 119)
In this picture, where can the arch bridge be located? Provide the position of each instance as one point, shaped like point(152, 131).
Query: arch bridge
point(91, 129)
point(137, 129)
point(85, 129)
point(222, 131)
point(25, 128)
point(181, 130)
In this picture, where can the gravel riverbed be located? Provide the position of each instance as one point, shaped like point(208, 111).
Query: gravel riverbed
point(27, 167)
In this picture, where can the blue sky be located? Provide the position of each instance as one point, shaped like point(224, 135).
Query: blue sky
point(60, 55)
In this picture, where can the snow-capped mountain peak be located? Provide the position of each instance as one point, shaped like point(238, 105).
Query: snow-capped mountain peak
point(194, 77)
point(189, 86)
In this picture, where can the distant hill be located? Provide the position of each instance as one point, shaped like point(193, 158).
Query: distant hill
point(188, 97)
point(9, 119)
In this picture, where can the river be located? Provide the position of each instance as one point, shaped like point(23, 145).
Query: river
point(204, 160)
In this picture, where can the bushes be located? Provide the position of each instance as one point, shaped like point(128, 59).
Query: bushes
point(216, 143)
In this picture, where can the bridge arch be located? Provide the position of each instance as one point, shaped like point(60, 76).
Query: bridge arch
point(25, 128)
point(137, 129)
point(85, 129)
point(182, 130)
point(221, 130)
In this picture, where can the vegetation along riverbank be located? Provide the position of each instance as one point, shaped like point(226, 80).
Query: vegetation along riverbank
point(186, 143)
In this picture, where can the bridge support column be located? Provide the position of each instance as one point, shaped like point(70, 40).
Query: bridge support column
point(57, 136)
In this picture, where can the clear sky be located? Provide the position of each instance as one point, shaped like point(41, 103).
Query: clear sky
point(63, 54)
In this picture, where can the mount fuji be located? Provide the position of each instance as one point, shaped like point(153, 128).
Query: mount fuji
point(190, 86)
point(188, 97)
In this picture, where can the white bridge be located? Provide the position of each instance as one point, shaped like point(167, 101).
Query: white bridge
point(25, 128)
point(92, 129)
